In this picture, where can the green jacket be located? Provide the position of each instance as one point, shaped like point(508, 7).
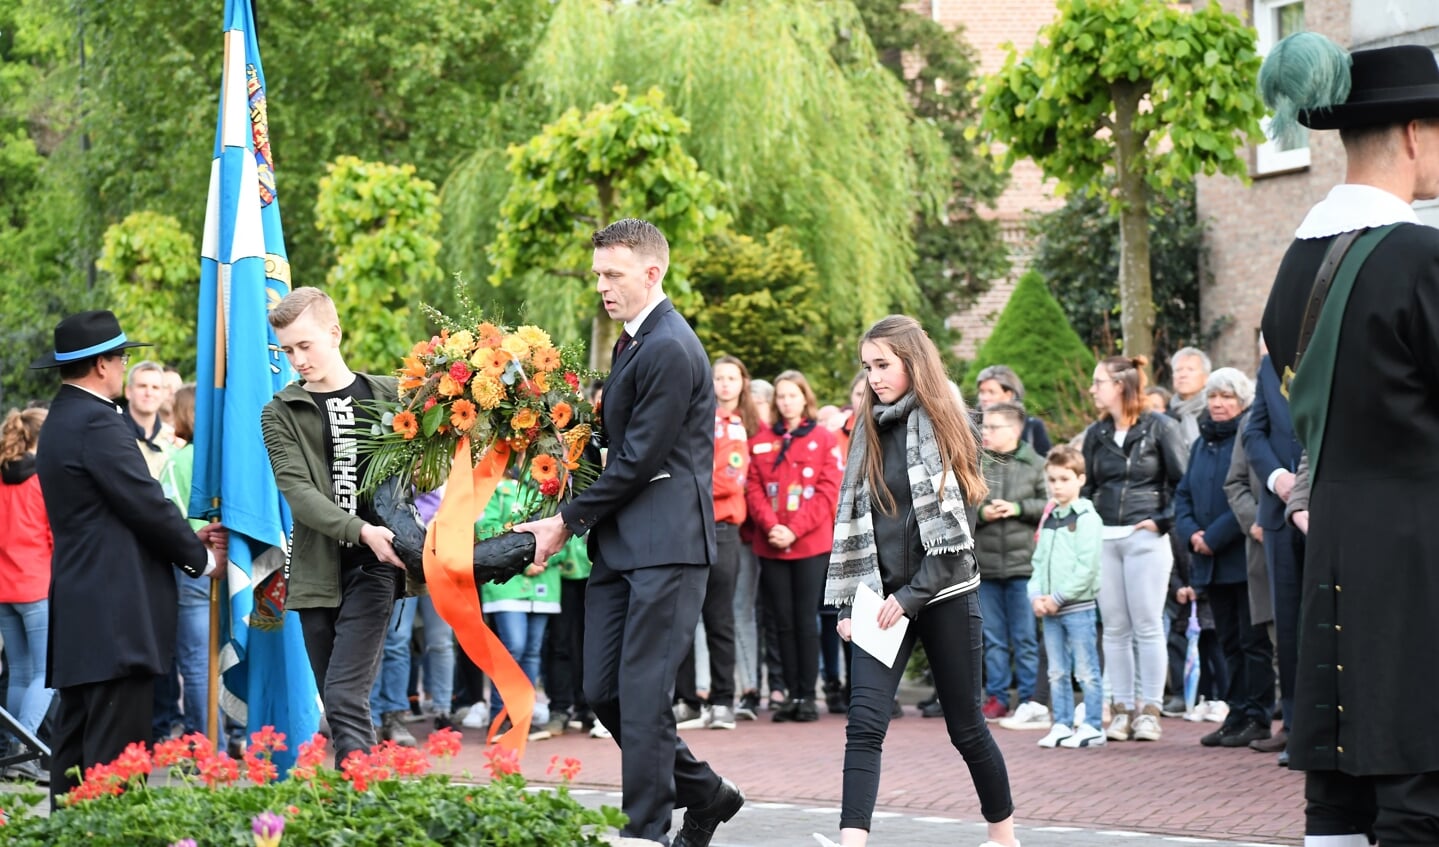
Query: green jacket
point(295, 438)
point(1003, 548)
point(1066, 560)
point(538, 594)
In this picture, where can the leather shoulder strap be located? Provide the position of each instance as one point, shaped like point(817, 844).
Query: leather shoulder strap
point(1320, 292)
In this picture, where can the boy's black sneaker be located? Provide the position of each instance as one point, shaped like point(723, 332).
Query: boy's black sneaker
point(805, 711)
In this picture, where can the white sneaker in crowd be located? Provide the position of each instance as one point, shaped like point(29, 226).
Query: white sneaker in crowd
point(1084, 736)
point(688, 717)
point(1118, 725)
point(1029, 715)
point(1057, 733)
point(1146, 724)
point(598, 730)
point(1196, 714)
point(478, 716)
point(541, 715)
point(1218, 711)
point(721, 717)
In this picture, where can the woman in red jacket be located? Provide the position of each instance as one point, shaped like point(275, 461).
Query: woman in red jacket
point(26, 546)
point(791, 492)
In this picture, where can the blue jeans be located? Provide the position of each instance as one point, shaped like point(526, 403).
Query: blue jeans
point(192, 656)
point(439, 659)
point(523, 634)
point(1008, 631)
point(1072, 644)
point(25, 626)
point(388, 693)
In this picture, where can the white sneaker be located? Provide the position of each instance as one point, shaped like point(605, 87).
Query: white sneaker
point(1118, 726)
point(1079, 715)
point(598, 730)
point(1029, 715)
point(1057, 733)
point(1146, 725)
point(478, 716)
point(1196, 714)
point(541, 715)
point(1084, 736)
point(696, 721)
point(1218, 711)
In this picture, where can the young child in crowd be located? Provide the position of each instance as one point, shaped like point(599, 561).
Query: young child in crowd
point(1063, 590)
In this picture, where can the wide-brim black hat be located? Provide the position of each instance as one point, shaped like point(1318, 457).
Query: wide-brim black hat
point(1390, 85)
point(84, 336)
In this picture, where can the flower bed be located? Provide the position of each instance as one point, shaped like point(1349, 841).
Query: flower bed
point(386, 797)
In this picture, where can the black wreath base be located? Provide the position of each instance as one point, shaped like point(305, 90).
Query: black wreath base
point(496, 559)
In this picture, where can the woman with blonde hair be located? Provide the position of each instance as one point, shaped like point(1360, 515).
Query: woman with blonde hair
point(901, 530)
point(26, 547)
point(1135, 459)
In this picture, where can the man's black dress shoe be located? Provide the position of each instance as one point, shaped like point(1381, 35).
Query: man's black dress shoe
point(700, 824)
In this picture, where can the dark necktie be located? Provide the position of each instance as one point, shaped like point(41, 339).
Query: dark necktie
point(621, 344)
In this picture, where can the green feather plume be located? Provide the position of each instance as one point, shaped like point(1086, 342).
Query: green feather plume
point(1304, 72)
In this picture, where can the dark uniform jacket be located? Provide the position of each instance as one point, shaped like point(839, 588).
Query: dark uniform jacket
point(1369, 636)
point(113, 600)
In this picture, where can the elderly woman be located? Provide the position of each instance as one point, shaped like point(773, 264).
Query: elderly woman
point(1204, 520)
point(1000, 384)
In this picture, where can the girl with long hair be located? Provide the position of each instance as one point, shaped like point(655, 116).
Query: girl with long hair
point(26, 548)
point(901, 530)
point(1135, 459)
point(790, 494)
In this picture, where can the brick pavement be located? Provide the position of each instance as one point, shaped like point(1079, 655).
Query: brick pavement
point(1174, 787)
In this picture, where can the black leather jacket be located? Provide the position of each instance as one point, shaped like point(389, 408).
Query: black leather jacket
point(914, 577)
point(1136, 482)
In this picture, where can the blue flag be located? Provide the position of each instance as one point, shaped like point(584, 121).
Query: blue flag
point(244, 272)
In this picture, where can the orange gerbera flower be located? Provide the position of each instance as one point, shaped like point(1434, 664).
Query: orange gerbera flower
point(450, 387)
point(489, 335)
point(489, 361)
point(544, 467)
point(462, 415)
point(406, 423)
point(562, 414)
point(545, 359)
point(524, 419)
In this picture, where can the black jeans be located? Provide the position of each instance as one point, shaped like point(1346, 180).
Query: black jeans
point(1247, 654)
point(953, 638)
point(718, 616)
point(564, 659)
point(344, 644)
point(793, 588)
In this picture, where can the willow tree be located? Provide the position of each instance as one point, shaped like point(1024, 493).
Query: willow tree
point(789, 107)
point(1150, 94)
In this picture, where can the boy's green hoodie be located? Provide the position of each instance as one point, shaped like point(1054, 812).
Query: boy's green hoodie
point(1066, 559)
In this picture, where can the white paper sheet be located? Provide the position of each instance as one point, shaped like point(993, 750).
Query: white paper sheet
point(883, 644)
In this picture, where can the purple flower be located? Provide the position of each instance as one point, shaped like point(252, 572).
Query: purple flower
point(267, 827)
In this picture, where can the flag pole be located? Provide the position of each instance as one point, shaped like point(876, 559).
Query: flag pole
point(212, 691)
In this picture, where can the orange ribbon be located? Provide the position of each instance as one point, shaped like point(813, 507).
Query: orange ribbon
point(450, 574)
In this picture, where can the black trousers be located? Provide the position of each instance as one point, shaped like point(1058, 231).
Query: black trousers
point(564, 659)
point(94, 724)
point(1247, 654)
point(638, 626)
point(1284, 553)
point(345, 644)
point(953, 638)
point(1401, 811)
point(718, 616)
point(793, 588)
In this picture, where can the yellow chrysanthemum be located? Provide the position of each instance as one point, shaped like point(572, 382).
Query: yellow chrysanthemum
point(515, 345)
point(488, 392)
point(460, 345)
point(534, 336)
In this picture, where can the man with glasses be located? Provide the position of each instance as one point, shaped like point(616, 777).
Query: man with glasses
point(113, 599)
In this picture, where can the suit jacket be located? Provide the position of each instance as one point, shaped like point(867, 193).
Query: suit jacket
point(654, 502)
point(112, 591)
point(1270, 443)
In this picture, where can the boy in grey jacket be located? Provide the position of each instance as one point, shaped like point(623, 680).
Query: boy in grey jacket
point(1063, 590)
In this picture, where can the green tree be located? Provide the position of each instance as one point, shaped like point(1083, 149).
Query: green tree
point(756, 300)
point(1033, 337)
point(789, 108)
point(383, 223)
point(153, 282)
point(623, 158)
point(1077, 252)
point(1141, 90)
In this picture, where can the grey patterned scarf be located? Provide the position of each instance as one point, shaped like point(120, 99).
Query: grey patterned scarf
point(943, 525)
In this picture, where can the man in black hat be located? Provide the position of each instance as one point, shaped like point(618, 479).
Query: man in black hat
point(1353, 330)
point(112, 596)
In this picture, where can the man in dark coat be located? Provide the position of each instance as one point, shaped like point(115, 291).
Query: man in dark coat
point(112, 594)
point(650, 519)
point(1366, 404)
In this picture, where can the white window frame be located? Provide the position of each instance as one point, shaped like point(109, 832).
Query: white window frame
point(1268, 158)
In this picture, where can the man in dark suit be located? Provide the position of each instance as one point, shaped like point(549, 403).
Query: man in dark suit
point(112, 594)
point(650, 519)
point(1274, 452)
